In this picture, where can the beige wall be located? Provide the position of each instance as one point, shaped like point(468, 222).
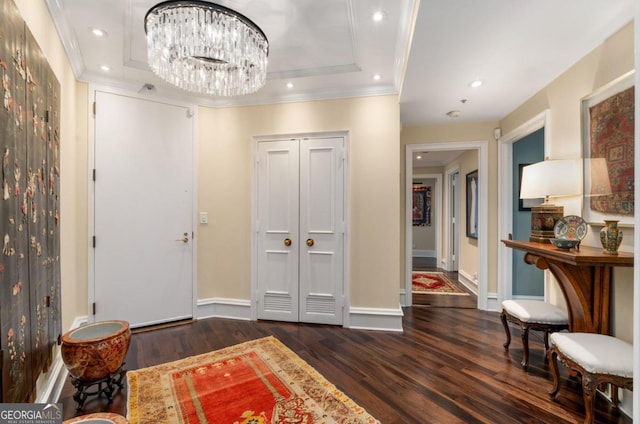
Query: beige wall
point(225, 185)
point(468, 254)
point(562, 97)
point(73, 198)
point(478, 131)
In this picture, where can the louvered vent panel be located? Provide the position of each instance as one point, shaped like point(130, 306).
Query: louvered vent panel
point(321, 305)
point(273, 302)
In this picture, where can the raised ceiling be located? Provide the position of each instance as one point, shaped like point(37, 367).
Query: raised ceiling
point(426, 51)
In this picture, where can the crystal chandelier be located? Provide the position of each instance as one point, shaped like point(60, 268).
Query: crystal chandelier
point(206, 48)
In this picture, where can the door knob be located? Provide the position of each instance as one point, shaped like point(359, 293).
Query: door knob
point(184, 239)
point(309, 242)
point(287, 242)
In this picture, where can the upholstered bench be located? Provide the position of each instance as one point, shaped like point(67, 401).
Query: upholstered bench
point(598, 358)
point(532, 315)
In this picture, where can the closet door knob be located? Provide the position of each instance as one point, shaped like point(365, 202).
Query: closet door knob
point(309, 242)
point(287, 242)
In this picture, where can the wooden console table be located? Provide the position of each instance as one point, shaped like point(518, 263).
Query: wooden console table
point(584, 277)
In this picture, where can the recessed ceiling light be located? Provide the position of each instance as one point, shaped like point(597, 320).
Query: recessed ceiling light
point(376, 77)
point(289, 85)
point(104, 68)
point(418, 157)
point(98, 32)
point(378, 16)
point(475, 83)
point(453, 114)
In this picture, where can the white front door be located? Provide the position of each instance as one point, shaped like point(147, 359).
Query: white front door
point(300, 266)
point(143, 255)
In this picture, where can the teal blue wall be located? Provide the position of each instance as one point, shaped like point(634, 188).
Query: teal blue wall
point(527, 279)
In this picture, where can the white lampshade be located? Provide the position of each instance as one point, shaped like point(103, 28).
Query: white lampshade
point(551, 178)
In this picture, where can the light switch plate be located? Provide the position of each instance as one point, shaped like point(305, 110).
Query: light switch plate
point(204, 218)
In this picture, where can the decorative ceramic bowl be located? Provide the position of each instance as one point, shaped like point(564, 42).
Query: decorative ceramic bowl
point(564, 243)
point(94, 351)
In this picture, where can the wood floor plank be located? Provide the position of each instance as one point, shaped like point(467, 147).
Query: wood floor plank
point(448, 366)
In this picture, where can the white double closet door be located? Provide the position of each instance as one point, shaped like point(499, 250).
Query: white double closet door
point(300, 230)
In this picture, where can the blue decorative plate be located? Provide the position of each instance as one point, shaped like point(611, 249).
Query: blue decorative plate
point(570, 227)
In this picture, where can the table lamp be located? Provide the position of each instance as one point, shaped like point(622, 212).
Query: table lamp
point(549, 178)
point(596, 178)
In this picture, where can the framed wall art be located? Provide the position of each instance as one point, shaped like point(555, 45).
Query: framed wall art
point(421, 211)
point(608, 152)
point(472, 204)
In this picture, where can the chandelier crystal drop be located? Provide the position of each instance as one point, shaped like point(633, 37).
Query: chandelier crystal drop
point(206, 48)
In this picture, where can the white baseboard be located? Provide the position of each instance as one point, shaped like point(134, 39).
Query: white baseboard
point(217, 307)
point(359, 318)
point(423, 253)
point(625, 399)
point(468, 280)
point(492, 302)
point(626, 402)
point(471, 282)
point(50, 384)
point(376, 319)
point(403, 297)
point(518, 297)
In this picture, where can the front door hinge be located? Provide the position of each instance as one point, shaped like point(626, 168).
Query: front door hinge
point(93, 306)
point(93, 174)
point(47, 301)
point(94, 108)
point(94, 241)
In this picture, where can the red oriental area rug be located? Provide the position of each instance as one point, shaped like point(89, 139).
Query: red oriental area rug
point(434, 283)
point(260, 381)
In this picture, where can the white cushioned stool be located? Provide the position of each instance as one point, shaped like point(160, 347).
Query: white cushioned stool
point(532, 315)
point(598, 358)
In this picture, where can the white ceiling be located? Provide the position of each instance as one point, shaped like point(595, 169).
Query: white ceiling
point(327, 49)
point(332, 49)
point(515, 47)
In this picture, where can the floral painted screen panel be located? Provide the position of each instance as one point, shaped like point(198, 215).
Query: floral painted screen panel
point(30, 252)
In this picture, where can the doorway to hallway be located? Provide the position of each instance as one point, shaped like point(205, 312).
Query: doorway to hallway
point(480, 244)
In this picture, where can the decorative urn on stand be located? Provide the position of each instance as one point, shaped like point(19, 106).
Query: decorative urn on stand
point(610, 237)
point(94, 355)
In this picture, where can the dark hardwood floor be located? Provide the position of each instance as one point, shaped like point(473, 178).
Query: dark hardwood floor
point(448, 366)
